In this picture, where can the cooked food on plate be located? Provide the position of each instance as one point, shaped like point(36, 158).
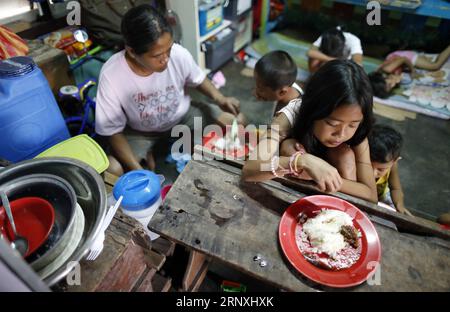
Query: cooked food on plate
point(329, 239)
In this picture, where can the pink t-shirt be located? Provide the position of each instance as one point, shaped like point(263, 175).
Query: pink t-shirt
point(410, 55)
point(150, 104)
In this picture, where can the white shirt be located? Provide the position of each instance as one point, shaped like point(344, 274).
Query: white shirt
point(150, 104)
point(352, 44)
point(292, 108)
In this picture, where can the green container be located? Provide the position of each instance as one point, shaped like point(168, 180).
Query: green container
point(81, 147)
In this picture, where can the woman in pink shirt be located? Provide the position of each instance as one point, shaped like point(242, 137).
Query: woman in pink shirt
point(141, 94)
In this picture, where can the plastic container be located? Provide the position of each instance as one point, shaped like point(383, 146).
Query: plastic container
point(234, 8)
point(210, 15)
point(219, 49)
point(30, 119)
point(141, 191)
point(81, 147)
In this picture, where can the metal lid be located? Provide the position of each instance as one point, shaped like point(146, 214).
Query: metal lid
point(16, 66)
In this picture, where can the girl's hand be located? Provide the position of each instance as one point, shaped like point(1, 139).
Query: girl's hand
point(229, 104)
point(403, 210)
point(326, 176)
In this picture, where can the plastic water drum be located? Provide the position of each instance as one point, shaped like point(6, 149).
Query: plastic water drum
point(30, 119)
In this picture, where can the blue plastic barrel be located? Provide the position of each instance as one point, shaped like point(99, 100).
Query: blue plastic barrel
point(30, 119)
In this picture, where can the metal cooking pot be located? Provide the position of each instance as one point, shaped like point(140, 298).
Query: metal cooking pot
point(91, 196)
point(60, 194)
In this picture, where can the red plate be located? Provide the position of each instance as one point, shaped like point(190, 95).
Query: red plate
point(211, 138)
point(370, 243)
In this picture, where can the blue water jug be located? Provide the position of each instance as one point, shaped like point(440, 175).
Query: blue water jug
point(30, 119)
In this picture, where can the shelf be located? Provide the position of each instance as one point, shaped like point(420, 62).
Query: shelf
point(222, 26)
point(434, 8)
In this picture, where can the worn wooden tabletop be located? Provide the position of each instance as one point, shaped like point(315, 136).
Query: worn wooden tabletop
point(210, 210)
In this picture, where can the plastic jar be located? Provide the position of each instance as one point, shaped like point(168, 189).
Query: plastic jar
point(141, 191)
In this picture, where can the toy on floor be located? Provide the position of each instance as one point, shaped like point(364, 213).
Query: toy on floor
point(179, 159)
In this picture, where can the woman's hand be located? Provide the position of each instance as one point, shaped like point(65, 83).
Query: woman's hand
point(326, 176)
point(229, 104)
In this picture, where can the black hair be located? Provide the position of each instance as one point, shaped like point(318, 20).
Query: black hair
point(142, 26)
point(378, 82)
point(333, 43)
point(336, 83)
point(276, 69)
point(385, 144)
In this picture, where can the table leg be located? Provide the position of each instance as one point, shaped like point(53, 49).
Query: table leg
point(195, 271)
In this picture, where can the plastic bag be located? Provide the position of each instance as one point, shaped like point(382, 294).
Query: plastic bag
point(11, 44)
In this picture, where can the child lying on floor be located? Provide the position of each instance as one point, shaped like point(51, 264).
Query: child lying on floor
point(334, 44)
point(389, 74)
point(385, 145)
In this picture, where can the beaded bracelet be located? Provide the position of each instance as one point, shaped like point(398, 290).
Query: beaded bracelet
point(272, 166)
point(274, 169)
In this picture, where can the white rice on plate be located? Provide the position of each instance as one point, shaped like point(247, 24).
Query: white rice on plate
point(324, 229)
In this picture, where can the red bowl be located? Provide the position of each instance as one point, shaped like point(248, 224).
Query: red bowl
point(34, 218)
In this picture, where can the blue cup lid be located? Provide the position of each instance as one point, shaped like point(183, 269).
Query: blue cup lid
point(16, 66)
point(140, 189)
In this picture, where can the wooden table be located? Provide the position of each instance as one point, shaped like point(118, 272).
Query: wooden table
point(214, 214)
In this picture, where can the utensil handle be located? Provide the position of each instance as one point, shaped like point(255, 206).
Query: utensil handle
point(111, 212)
point(7, 207)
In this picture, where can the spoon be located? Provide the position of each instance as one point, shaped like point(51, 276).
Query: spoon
point(19, 243)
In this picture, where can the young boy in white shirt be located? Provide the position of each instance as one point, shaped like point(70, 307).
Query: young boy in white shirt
point(275, 75)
